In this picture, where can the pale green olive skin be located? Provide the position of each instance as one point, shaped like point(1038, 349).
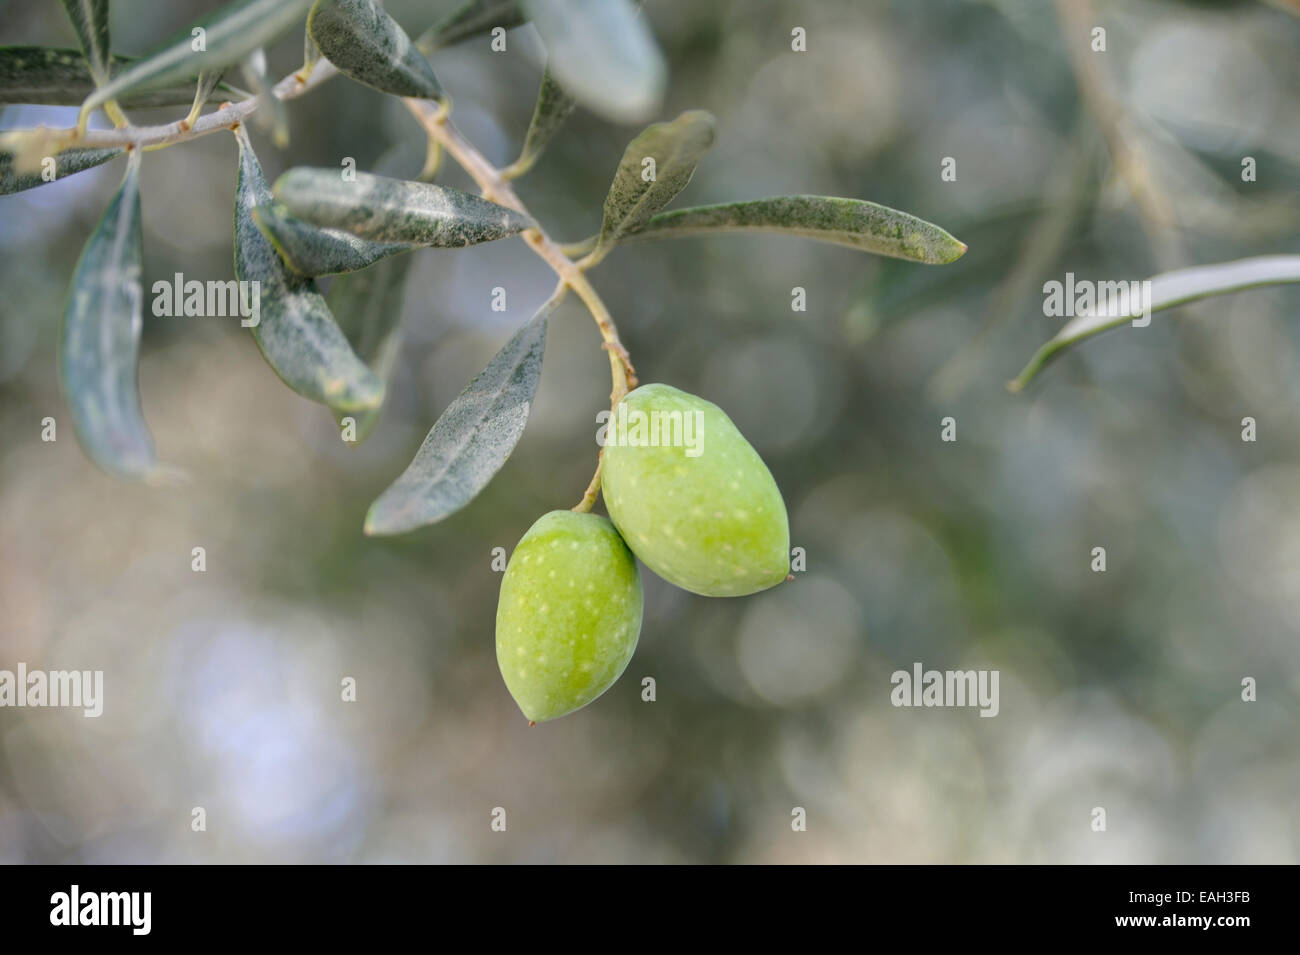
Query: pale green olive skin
point(711, 522)
point(569, 614)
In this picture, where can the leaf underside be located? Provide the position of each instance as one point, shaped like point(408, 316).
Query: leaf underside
point(90, 22)
point(553, 107)
point(296, 332)
point(99, 342)
point(602, 52)
point(229, 35)
point(395, 210)
point(311, 251)
point(1168, 290)
point(65, 164)
point(368, 306)
point(471, 441)
point(52, 76)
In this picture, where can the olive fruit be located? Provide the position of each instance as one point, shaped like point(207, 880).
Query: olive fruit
point(569, 614)
point(691, 497)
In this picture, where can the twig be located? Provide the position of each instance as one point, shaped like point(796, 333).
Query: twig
point(227, 117)
point(497, 189)
point(1122, 139)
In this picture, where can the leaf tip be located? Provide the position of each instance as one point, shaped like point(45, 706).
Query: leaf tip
point(363, 393)
point(374, 525)
point(949, 251)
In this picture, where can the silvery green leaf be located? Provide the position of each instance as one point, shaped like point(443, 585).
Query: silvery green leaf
point(310, 52)
point(365, 43)
point(395, 210)
point(272, 117)
point(99, 344)
point(368, 306)
point(207, 83)
point(655, 167)
point(44, 75)
point(471, 18)
point(1167, 290)
point(470, 441)
point(222, 39)
point(855, 223)
point(295, 330)
point(90, 21)
point(57, 77)
point(553, 107)
point(602, 52)
point(65, 164)
point(311, 251)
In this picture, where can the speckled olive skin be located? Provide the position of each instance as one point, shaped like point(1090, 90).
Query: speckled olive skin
point(712, 523)
point(569, 614)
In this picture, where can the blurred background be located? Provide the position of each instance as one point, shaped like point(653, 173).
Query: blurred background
point(1119, 690)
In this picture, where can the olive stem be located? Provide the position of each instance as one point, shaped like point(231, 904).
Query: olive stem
point(593, 489)
point(183, 130)
point(575, 250)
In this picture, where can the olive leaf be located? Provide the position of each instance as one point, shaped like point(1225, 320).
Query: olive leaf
point(44, 75)
point(368, 45)
point(272, 115)
point(295, 330)
point(855, 223)
point(203, 88)
point(99, 343)
point(602, 52)
point(51, 76)
point(471, 440)
point(207, 83)
point(553, 107)
point(368, 306)
point(310, 250)
point(470, 19)
point(395, 210)
point(368, 303)
point(1167, 290)
point(65, 164)
point(90, 21)
point(310, 53)
point(655, 167)
point(222, 39)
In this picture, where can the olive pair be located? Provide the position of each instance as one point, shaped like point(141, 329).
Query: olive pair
point(689, 496)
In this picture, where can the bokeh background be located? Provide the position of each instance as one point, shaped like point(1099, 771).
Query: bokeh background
point(1119, 689)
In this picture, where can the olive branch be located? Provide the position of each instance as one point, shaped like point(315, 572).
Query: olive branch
point(339, 350)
